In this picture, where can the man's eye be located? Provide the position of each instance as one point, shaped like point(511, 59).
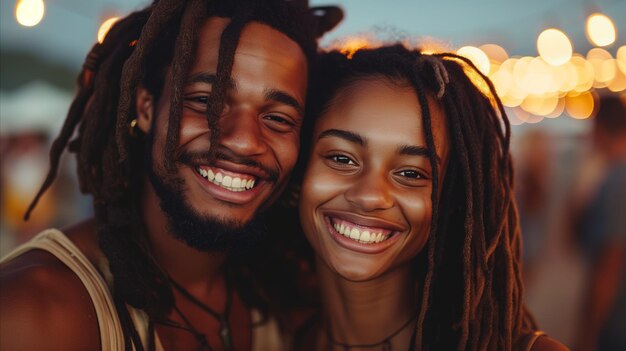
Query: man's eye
point(341, 159)
point(278, 119)
point(279, 123)
point(197, 102)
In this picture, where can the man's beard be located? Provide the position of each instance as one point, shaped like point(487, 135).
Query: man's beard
point(202, 232)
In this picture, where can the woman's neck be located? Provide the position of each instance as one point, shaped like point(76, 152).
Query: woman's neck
point(368, 312)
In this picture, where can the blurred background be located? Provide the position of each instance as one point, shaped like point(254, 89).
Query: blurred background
point(553, 63)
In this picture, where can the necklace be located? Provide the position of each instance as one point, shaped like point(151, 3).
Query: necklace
point(222, 318)
point(385, 343)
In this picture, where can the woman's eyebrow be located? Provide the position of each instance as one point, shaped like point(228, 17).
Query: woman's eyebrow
point(343, 134)
point(414, 150)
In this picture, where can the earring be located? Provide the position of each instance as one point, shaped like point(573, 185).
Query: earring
point(132, 128)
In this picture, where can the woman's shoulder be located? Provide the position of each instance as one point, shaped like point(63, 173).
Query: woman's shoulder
point(545, 343)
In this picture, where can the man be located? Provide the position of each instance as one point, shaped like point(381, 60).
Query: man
point(188, 121)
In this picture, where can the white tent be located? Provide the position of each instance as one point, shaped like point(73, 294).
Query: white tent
point(37, 106)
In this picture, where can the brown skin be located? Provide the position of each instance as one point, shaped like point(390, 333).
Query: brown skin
point(43, 298)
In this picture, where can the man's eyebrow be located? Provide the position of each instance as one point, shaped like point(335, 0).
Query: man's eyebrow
point(343, 134)
point(208, 78)
point(285, 98)
point(413, 150)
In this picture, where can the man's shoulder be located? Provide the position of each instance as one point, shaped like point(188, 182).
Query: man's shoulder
point(44, 305)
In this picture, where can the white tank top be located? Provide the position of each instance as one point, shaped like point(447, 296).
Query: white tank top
point(265, 336)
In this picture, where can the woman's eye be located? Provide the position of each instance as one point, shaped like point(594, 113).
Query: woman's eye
point(341, 159)
point(412, 174)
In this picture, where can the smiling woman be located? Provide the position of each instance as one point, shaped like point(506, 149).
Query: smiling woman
point(406, 201)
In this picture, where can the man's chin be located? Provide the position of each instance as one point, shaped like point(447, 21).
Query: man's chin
point(206, 233)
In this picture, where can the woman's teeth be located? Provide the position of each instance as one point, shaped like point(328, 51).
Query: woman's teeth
point(362, 236)
point(226, 182)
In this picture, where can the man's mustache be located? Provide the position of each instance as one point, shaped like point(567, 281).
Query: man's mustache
point(192, 158)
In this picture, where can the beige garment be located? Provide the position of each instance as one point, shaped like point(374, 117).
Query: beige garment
point(265, 336)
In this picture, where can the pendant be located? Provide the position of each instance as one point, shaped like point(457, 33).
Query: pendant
point(225, 335)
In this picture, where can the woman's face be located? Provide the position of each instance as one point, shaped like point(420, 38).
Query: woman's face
point(366, 204)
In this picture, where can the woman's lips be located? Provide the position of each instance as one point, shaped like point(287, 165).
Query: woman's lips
point(360, 234)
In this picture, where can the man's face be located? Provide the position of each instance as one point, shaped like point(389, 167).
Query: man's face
point(259, 129)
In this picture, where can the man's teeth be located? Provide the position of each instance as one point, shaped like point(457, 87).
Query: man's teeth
point(362, 236)
point(227, 182)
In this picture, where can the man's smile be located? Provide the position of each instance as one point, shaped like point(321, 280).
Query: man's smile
point(228, 180)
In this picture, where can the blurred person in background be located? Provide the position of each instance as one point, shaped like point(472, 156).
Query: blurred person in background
point(532, 176)
point(600, 225)
point(23, 165)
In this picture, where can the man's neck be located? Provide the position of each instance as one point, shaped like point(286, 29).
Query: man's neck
point(371, 311)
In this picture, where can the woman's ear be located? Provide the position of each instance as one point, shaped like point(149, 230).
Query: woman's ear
point(144, 104)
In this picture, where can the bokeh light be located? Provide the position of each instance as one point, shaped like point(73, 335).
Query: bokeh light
point(105, 27)
point(579, 105)
point(621, 58)
point(554, 47)
point(29, 12)
point(600, 30)
point(477, 56)
point(496, 53)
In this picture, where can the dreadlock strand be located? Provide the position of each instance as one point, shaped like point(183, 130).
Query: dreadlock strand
point(426, 117)
point(194, 14)
point(229, 41)
point(468, 223)
point(132, 72)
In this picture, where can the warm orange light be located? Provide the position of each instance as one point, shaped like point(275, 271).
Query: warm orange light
point(558, 110)
point(105, 27)
point(477, 56)
point(621, 58)
point(29, 12)
point(604, 66)
point(618, 84)
point(600, 30)
point(579, 106)
point(554, 47)
point(496, 53)
point(349, 46)
point(502, 80)
point(585, 73)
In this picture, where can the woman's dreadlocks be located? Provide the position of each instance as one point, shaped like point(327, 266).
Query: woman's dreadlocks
point(137, 50)
point(469, 274)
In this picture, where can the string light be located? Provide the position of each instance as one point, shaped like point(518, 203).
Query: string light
point(477, 56)
point(554, 47)
point(29, 13)
point(600, 30)
point(105, 27)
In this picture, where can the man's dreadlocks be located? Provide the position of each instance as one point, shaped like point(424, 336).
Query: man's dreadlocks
point(138, 50)
point(469, 274)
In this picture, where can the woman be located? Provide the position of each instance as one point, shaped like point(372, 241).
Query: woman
point(406, 201)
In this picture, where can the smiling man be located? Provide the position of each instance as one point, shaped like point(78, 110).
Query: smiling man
point(188, 125)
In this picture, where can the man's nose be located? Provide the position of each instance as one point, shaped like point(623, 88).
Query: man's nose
point(241, 132)
point(370, 192)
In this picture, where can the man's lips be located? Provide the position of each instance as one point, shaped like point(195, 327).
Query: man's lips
point(226, 179)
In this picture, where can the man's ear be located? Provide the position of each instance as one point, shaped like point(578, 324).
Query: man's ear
point(144, 104)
